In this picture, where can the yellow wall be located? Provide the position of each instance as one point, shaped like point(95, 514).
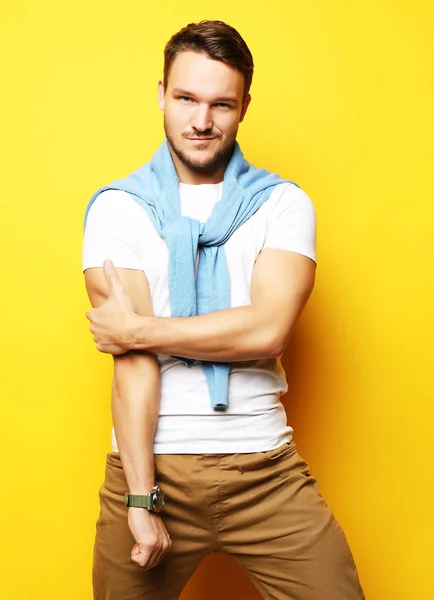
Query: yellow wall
point(343, 104)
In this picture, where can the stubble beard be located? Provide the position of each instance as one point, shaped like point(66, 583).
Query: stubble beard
point(220, 157)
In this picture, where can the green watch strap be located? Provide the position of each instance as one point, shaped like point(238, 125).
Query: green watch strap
point(139, 501)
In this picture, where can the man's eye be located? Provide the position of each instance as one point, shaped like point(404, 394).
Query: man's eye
point(186, 99)
point(222, 105)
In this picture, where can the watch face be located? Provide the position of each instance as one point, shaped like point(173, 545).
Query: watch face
point(158, 499)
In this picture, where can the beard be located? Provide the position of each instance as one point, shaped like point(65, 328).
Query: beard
point(220, 157)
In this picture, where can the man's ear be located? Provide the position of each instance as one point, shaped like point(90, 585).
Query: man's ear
point(245, 107)
point(161, 95)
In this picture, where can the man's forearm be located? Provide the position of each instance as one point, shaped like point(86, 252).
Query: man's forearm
point(236, 334)
point(135, 400)
point(281, 285)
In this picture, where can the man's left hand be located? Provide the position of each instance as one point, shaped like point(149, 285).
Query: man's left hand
point(112, 323)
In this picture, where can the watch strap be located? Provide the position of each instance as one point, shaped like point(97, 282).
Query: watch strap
point(135, 500)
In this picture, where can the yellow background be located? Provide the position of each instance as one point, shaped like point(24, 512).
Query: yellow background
point(342, 104)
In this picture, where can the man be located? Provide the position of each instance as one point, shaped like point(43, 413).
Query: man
point(212, 262)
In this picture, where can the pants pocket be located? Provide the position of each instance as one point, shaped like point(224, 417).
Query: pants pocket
point(286, 450)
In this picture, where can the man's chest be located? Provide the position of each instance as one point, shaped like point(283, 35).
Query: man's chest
point(241, 252)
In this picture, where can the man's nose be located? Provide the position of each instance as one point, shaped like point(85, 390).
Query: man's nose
point(202, 120)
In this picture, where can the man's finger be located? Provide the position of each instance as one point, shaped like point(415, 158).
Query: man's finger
point(112, 276)
point(143, 556)
point(108, 348)
point(138, 556)
point(161, 554)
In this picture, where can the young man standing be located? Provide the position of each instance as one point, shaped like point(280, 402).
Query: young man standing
point(211, 263)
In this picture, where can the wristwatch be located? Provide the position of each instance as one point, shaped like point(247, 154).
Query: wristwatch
point(154, 501)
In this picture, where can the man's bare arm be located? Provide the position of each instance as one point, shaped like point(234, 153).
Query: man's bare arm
point(135, 394)
point(282, 282)
point(135, 400)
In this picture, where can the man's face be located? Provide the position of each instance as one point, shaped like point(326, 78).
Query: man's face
point(203, 107)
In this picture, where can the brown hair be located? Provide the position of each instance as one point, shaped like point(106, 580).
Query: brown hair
point(216, 39)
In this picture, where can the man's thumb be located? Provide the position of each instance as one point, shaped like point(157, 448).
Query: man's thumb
point(111, 276)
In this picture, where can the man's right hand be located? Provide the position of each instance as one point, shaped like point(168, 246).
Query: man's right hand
point(152, 539)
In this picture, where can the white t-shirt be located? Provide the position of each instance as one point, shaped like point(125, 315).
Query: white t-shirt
point(119, 229)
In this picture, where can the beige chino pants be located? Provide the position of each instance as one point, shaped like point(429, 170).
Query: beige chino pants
point(263, 509)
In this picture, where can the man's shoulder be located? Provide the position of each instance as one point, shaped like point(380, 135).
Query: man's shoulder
point(117, 212)
point(113, 197)
point(289, 196)
point(116, 203)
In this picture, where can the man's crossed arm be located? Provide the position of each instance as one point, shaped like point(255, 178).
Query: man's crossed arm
point(282, 282)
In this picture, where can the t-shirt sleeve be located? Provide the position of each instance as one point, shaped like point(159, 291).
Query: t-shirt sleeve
point(112, 232)
point(291, 222)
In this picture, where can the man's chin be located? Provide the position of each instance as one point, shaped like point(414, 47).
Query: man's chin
point(207, 157)
point(200, 161)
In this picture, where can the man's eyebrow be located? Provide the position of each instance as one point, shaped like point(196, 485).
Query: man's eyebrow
point(181, 92)
point(227, 99)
